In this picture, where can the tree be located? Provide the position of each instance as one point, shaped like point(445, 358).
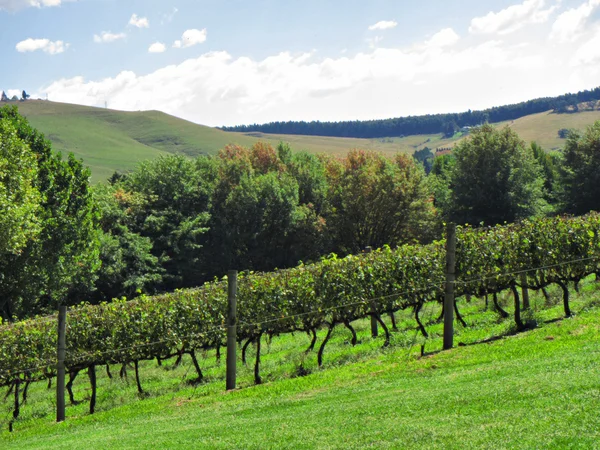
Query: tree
point(4, 97)
point(177, 194)
point(581, 177)
point(62, 261)
point(563, 133)
point(376, 201)
point(24, 96)
point(496, 179)
point(19, 198)
point(439, 181)
point(128, 265)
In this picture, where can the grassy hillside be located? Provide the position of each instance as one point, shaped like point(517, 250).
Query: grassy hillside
point(109, 140)
point(537, 389)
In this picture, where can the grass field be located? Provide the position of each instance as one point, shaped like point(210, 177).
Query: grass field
point(496, 389)
point(109, 140)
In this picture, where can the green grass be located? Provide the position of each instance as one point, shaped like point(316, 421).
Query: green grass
point(536, 389)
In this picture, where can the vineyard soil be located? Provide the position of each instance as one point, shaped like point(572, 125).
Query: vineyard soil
point(536, 389)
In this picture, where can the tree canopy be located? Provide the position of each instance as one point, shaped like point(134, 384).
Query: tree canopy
point(581, 171)
point(19, 197)
point(495, 179)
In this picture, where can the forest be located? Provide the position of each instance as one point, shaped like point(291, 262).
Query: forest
point(426, 124)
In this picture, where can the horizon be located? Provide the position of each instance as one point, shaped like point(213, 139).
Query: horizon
point(236, 63)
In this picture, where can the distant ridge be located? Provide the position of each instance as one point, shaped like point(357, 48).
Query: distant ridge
point(425, 124)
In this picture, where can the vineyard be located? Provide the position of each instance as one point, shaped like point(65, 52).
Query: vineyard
point(536, 253)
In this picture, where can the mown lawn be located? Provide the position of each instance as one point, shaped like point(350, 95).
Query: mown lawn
point(536, 389)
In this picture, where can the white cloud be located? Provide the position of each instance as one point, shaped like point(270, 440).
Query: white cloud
point(216, 88)
point(139, 22)
point(107, 37)
point(45, 45)
point(512, 18)
point(190, 38)
point(443, 38)
point(157, 47)
point(383, 25)
point(588, 53)
point(570, 25)
point(14, 5)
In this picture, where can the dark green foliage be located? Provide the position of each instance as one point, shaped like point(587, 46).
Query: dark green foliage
point(66, 251)
point(425, 156)
point(549, 163)
point(496, 179)
point(581, 171)
point(128, 265)
point(439, 181)
point(563, 133)
point(427, 124)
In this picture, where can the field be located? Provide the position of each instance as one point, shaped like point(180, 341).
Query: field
point(496, 389)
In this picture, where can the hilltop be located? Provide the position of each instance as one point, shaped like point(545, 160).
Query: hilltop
point(109, 140)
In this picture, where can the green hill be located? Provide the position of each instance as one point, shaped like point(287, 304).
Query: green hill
point(109, 140)
point(533, 390)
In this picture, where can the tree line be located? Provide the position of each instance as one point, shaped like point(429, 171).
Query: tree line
point(176, 222)
point(425, 124)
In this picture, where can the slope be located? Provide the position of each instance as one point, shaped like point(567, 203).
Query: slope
point(537, 389)
point(109, 140)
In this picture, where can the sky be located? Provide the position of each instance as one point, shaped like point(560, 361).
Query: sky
point(228, 62)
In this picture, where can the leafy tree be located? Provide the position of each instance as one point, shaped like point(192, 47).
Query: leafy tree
point(376, 201)
point(19, 198)
point(496, 179)
point(25, 96)
point(439, 179)
point(128, 265)
point(65, 253)
point(563, 133)
point(177, 193)
point(581, 177)
point(4, 97)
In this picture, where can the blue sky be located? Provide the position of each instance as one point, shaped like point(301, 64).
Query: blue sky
point(243, 61)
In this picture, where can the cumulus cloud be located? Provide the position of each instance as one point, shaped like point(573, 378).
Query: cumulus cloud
point(443, 38)
point(512, 18)
point(191, 38)
point(157, 47)
point(139, 22)
point(45, 45)
point(383, 25)
point(107, 37)
point(570, 25)
point(14, 5)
